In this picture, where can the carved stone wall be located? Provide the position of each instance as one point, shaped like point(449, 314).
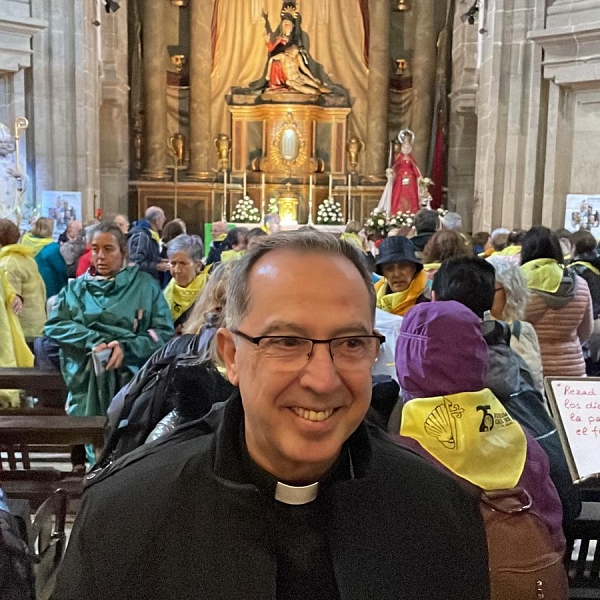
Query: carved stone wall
point(17, 28)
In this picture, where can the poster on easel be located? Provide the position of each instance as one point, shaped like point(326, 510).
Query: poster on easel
point(583, 212)
point(575, 404)
point(63, 207)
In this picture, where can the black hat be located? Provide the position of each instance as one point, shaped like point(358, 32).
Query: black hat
point(396, 249)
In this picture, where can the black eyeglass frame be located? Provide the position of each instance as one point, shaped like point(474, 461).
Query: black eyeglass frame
point(257, 339)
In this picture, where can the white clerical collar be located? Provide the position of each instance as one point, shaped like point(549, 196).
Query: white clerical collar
point(296, 495)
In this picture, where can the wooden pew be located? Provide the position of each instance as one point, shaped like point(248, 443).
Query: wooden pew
point(48, 386)
point(20, 433)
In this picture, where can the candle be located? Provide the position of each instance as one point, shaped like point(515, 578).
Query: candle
point(224, 211)
point(244, 184)
point(349, 196)
point(310, 199)
point(263, 196)
point(330, 185)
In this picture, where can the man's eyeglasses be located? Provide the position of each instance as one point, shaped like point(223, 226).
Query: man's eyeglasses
point(293, 352)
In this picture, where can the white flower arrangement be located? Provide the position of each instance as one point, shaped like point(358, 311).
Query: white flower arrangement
point(273, 207)
point(330, 212)
point(245, 212)
point(403, 220)
point(379, 220)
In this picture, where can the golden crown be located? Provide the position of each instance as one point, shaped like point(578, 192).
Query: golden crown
point(290, 9)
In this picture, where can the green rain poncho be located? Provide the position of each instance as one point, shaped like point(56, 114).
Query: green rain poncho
point(128, 308)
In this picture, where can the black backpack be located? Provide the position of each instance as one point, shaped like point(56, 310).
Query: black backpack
point(16, 573)
point(188, 382)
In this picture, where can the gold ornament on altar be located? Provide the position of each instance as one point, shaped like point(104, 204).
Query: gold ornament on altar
point(177, 147)
point(353, 149)
point(179, 3)
point(402, 6)
point(223, 146)
point(179, 61)
point(288, 206)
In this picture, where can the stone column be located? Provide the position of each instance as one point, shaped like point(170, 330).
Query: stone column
point(378, 93)
point(200, 88)
point(155, 101)
point(423, 74)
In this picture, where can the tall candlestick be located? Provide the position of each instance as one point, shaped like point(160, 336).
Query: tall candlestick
point(244, 184)
point(224, 211)
point(349, 197)
point(310, 200)
point(262, 196)
point(330, 185)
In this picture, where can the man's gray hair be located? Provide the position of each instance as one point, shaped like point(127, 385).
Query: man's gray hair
point(452, 220)
point(153, 213)
point(509, 276)
point(190, 244)
point(305, 242)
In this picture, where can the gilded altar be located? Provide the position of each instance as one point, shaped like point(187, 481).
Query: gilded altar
point(289, 140)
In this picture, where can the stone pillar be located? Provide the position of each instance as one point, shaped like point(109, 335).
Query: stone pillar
point(114, 122)
point(510, 123)
point(376, 154)
point(200, 62)
point(155, 101)
point(462, 130)
point(423, 74)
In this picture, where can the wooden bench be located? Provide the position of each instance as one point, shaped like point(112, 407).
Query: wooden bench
point(47, 386)
point(583, 566)
point(22, 433)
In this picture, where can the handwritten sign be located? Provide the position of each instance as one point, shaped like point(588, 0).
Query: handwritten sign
point(575, 405)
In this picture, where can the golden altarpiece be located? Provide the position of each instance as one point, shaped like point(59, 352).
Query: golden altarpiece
point(287, 135)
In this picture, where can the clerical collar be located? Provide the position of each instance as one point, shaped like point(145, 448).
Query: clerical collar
point(296, 494)
point(290, 494)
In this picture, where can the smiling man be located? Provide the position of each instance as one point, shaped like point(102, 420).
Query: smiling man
point(283, 491)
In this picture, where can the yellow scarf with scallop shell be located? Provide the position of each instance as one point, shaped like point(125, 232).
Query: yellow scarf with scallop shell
point(471, 434)
point(398, 303)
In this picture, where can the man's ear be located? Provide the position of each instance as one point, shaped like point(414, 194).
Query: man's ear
point(434, 297)
point(227, 351)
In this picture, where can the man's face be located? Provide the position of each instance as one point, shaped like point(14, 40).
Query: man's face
point(399, 275)
point(122, 223)
point(314, 296)
point(160, 221)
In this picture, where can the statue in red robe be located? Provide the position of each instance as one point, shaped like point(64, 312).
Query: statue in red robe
point(405, 193)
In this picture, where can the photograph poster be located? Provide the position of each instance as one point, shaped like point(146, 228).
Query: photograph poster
point(583, 212)
point(63, 207)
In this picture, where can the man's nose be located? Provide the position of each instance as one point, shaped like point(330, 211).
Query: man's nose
point(320, 373)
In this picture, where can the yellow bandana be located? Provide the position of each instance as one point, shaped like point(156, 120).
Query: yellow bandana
point(228, 255)
point(398, 303)
point(434, 266)
point(180, 298)
point(471, 434)
point(543, 274)
point(509, 251)
point(352, 238)
point(587, 265)
point(155, 235)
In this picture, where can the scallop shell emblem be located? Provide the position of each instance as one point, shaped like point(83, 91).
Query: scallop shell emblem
point(441, 423)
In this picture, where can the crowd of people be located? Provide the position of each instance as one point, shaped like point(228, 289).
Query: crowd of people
point(243, 457)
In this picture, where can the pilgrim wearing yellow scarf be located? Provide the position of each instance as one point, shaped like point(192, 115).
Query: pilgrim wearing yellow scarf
point(189, 277)
point(543, 274)
point(404, 281)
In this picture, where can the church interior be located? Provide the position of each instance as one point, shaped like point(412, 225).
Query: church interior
point(181, 104)
point(324, 115)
